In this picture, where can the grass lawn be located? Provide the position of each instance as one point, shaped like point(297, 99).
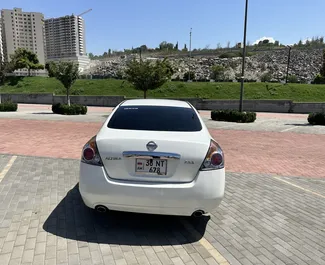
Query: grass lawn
point(295, 92)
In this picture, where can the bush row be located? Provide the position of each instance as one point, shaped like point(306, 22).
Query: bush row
point(65, 109)
point(8, 106)
point(317, 118)
point(233, 116)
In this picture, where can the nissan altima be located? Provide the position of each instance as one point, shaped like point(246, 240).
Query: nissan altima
point(153, 156)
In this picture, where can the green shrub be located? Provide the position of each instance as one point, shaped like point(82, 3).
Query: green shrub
point(293, 79)
point(266, 77)
point(8, 106)
point(217, 72)
point(65, 109)
point(316, 118)
point(319, 79)
point(189, 75)
point(233, 116)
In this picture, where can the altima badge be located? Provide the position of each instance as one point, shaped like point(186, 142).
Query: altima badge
point(151, 146)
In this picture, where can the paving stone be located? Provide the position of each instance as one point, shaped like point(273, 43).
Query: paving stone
point(39, 259)
point(28, 256)
point(17, 252)
point(260, 221)
point(4, 259)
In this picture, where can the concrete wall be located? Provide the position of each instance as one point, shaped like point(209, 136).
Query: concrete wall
point(28, 98)
point(103, 101)
point(281, 106)
point(308, 107)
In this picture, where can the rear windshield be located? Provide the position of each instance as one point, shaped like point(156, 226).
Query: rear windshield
point(155, 118)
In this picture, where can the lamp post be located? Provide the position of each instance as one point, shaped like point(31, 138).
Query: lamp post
point(191, 43)
point(289, 55)
point(243, 63)
point(189, 65)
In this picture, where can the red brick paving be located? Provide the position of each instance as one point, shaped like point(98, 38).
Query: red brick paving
point(287, 116)
point(246, 151)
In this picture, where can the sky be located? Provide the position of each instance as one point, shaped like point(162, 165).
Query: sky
point(123, 24)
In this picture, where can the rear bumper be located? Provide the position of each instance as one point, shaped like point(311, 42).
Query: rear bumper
point(204, 193)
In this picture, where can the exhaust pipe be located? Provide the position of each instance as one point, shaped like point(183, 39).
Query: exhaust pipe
point(101, 209)
point(198, 213)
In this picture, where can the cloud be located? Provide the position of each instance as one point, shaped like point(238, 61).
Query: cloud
point(304, 41)
point(271, 40)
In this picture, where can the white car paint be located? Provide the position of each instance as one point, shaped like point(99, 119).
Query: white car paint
point(115, 184)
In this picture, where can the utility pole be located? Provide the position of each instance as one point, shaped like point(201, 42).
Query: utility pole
point(189, 66)
point(191, 43)
point(243, 63)
point(289, 55)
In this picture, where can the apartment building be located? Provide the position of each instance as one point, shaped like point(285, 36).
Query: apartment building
point(22, 30)
point(1, 47)
point(65, 40)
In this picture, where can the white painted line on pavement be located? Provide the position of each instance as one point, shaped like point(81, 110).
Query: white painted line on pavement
point(7, 167)
point(289, 129)
point(299, 187)
point(206, 244)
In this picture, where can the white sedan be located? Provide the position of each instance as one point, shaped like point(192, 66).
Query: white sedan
point(153, 156)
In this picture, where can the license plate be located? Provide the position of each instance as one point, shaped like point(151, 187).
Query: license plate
point(152, 166)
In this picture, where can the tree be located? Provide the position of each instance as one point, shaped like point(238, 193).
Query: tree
point(91, 55)
point(147, 75)
point(228, 44)
point(51, 68)
point(176, 46)
point(217, 72)
point(166, 46)
point(67, 73)
point(5, 67)
point(109, 52)
point(189, 75)
point(185, 48)
point(25, 59)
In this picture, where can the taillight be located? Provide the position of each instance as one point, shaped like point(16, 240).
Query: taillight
point(90, 154)
point(214, 159)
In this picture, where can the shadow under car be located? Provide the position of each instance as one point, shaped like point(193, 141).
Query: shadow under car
point(71, 219)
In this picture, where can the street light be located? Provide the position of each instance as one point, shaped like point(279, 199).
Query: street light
point(191, 43)
point(243, 63)
point(189, 65)
point(289, 55)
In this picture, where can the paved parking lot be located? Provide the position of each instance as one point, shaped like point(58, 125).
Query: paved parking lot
point(273, 211)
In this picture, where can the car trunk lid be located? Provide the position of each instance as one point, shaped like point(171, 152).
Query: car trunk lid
point(152, 156)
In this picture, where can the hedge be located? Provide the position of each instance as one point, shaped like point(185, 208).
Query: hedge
point(8, 106)
point(233, 116)
point(65, 109)
point(317, 118)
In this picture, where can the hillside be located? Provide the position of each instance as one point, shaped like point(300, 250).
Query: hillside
point(304, 63)
point(296, 92)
